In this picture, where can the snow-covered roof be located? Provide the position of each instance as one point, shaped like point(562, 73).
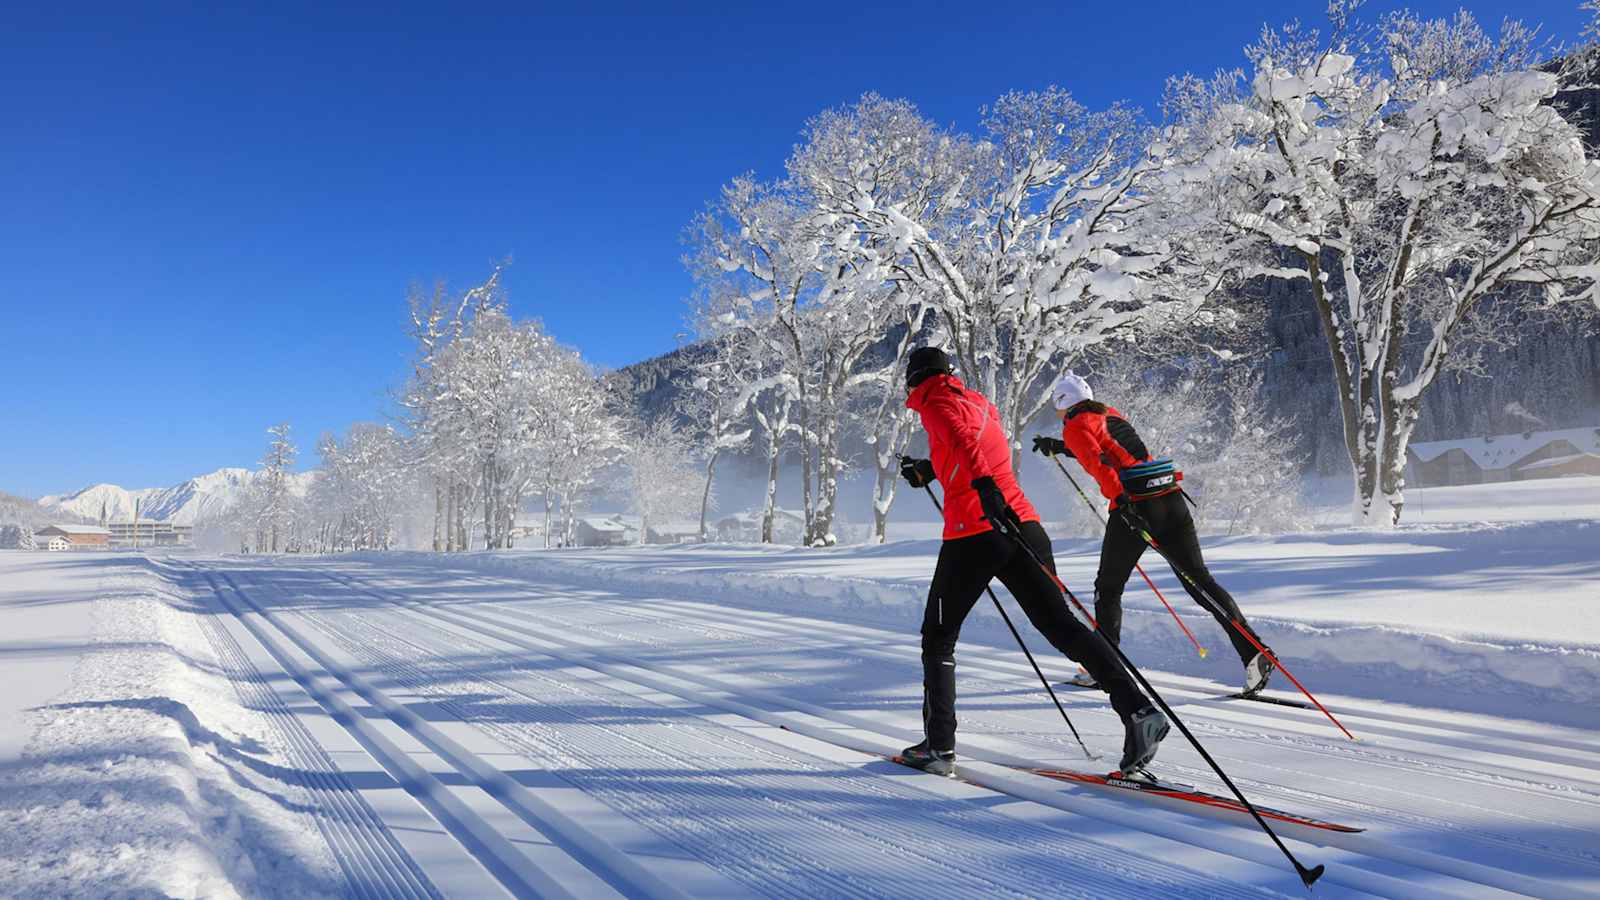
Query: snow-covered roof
point(77, 529)
point(1558, 461)
point(676, 526)
point(1502, 450)
point(611, 523)
point(754, 516)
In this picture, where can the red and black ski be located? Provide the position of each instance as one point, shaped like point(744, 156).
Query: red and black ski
point(1156, 787)
point(1263, 698)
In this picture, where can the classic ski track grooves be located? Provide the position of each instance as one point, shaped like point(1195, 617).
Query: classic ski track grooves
point(1226, 724)
point(1223, 721)
point(1351, 709)
point(977, 658)
point(374, 864)
point(752, 853)
point(1339, 871)
point(1360, 844)
point(1333, 803)
point(1385, 724)
point(508, 864)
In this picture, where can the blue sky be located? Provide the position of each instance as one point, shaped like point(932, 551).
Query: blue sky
point(209, 218)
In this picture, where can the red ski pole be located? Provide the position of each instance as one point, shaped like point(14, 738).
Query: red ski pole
point(1211, 604)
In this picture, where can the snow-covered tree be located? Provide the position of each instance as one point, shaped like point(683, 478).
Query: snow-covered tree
point(16, 537)
point(1033, 243)
point(276, 513)
point(1247, 482)
point(363, 488)
point(582, 436)
point(500, 411)
point(437, 318)
point(716, 409)
point(1418, 184)
point(785, 277)
point(661, 475)
point(882, 415)
point(728, 314)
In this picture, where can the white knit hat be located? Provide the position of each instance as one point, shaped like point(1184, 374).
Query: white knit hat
point(1070, 390)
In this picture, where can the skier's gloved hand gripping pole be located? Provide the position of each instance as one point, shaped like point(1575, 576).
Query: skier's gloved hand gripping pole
point(920, 476)
point(1003, 525)
point(1054, 449)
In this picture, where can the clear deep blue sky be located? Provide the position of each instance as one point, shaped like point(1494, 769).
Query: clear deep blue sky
point(209, 219)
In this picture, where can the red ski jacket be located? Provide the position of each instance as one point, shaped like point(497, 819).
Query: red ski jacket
point(1103, 443)
point(966, 442)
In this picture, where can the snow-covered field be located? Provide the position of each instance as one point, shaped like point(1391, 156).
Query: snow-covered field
point(690, 722)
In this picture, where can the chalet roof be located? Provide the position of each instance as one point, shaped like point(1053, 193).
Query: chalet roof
point(1554, 461)
point(608, 524)
point(74, 529)
point(676, 526)
point(1502, 450)
point(753, 516)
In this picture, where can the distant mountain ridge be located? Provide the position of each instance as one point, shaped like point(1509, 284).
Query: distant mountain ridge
point(186, 503)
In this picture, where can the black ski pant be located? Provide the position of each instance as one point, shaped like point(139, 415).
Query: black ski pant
point(1172, 526)
point(966, 565)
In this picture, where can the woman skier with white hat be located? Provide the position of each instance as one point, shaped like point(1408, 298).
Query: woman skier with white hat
point(1145, 491)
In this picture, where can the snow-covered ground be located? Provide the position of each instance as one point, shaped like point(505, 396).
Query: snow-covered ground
point(691, 722)
point(1535, 500)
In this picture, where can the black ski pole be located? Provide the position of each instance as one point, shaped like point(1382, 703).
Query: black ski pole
point(1307, 876)
point(1016, 634)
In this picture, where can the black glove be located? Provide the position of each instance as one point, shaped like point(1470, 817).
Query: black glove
point(1051, 447)
point(917, 472)
point(995, 508)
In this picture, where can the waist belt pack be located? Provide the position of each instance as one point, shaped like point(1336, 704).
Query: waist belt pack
point(1155, 478)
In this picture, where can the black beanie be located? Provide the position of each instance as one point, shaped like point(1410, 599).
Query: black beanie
point(924, 363)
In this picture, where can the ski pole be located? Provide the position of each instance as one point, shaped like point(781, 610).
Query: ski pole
point(1014, 633)
point(1213, 607)
point(1307, 876)
point(1096, 510)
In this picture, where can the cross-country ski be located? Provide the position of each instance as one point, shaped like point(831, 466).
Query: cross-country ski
point(1146, 784)
point(789, 451)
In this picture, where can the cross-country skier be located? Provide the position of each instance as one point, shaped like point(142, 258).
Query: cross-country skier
point(1110, 450)
point(971, 457)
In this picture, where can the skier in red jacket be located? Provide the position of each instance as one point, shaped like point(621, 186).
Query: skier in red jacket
point(1109, 449)
point(971, 457)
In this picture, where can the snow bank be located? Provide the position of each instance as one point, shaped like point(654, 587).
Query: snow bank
point(146, 776)
point(1503, 620)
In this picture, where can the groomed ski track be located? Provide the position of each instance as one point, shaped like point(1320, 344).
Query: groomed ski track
point(473, 735)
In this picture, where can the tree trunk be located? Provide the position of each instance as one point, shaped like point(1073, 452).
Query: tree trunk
point(461, 517)
point(705, 494)
point(547, 520)
point(489, 494)
point(438, 517)
point(770, 503)
point(882, 501)
point(827, 493)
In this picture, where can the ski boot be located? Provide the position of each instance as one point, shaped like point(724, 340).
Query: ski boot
point(1081, 680)
point(1256, 673)
point(937, 762)
point(1146, 729)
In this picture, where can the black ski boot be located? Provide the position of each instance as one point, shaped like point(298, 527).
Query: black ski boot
point(937, 762)
point(1146, 729)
